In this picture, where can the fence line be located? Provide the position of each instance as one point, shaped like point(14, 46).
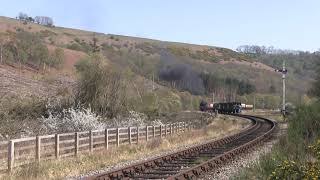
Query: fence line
point(17, 152)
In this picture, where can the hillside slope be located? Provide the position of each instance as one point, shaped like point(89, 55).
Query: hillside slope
point(147, 58)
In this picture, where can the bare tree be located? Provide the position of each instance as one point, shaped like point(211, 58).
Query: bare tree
point(22, 16)
point(44, 20)
point(260, 50)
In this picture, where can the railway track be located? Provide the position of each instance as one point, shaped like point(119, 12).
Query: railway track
point(194, 161)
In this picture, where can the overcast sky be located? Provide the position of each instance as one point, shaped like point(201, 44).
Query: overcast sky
point(287, 24)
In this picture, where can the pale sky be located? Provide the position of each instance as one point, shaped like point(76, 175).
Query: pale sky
point(287, 24)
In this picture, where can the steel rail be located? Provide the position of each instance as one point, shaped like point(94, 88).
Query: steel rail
point(189, 163)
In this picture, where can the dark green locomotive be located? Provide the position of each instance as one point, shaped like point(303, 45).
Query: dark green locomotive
point(225, 108)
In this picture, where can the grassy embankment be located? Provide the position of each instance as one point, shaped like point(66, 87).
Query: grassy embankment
point(58, 169)
point(297, 154)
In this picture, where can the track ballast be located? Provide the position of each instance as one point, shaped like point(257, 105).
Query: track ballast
point(194, 161)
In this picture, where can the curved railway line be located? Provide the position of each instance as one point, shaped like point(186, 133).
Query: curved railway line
point(194, 161)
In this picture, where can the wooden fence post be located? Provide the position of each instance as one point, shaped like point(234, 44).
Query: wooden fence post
point(174, 128)
point(165, 133)
point(137, 134)
point(10, 155)
point(106, 138)
point(57, 142)
point(177, 128)
point(129, 134)
point(38, 148)
point(76, 143)
point(90, 141)
point(118, 137)
point(147, 133)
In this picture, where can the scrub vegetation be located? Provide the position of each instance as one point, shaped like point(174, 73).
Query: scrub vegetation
point(49, 73)
point(296, 155)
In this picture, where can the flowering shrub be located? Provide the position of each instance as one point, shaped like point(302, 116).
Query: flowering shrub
point(84, 119)
point(134, 119)
point(316, 149)
point(291, 170)
point(72, 119)
point(156, 122)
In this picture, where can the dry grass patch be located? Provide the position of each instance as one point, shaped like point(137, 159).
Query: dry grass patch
point(116, 157)
point(268, 114)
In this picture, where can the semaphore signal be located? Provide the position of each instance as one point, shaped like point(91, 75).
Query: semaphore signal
point(284, 71)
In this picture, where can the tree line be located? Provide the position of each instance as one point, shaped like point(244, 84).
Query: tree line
point(315, 90)
point(43, 20)
point(226, 88)
point(301, 63)
point(260, 50)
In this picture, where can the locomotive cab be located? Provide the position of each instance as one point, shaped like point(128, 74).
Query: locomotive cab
point(203, 106)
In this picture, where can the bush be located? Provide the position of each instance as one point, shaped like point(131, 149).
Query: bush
point(56, 59)
point(316, 85)
point(82, 46)
point(74, 46)
point(292, 170)
point(133, 119)
point(72, 120)
point(19, 118)
point(100, 87)
point(305, 124)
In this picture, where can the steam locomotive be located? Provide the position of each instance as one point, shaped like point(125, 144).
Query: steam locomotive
point(227, 107)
